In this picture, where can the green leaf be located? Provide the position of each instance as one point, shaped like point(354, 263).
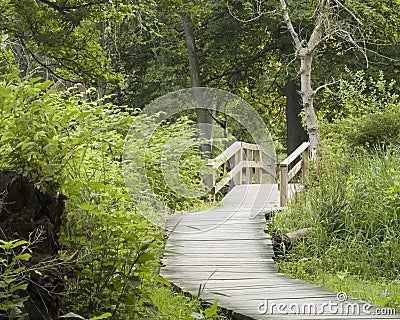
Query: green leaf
point(19, 243)
point(144, 257)
point(211, 310)
point(19, 287)
point(163, 281)
point(103, 316)
point(24, 257)
point(72, 315)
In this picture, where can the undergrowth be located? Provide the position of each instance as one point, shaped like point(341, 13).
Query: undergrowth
point(352, 204)
point(67, 145)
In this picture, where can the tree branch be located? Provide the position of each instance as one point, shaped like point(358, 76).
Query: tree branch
point(42, 64)
point(317, 34)
point(348, 11)
point(66, 9)
point(323, 87)
point(257, 15)
point(289, 25)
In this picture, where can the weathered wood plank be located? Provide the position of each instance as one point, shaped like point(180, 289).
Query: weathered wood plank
point(227, 253)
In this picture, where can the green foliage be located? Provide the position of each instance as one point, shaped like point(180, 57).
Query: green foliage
point(31, 140)
point(167, 154)
point(68, 145)
point(119, 249)
point(353, 207)
point(359, 95)
point(378, 291)
point(77, 316)
point(367, 116)
point(45, 131)
point(375, 129)
point(7, 62)
point(56, 39)
point(13, 281)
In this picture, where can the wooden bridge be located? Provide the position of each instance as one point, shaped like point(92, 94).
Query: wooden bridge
point(223, 254)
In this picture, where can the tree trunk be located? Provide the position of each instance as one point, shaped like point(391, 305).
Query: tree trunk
point(283, 243)
point(296, 134)
point(203, 114)
point(24, 210)
point(101, 85)
point(307, 95)
point(305, 51)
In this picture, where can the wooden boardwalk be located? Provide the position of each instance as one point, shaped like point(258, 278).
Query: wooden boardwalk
point(223, 254)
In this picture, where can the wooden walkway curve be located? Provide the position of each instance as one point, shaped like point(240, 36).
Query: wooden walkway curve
point(223, 254)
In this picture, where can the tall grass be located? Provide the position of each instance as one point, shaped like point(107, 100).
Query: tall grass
point(353, 205)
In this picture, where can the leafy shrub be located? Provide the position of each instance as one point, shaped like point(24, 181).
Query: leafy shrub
point(370, 131)
point(64, 144)
point(13, 279)
point(368, 116)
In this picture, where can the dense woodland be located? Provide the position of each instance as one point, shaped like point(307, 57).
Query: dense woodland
point(74, 77)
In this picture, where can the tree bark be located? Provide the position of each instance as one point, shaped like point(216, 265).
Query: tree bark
point(283, 243)
point(101, 86)
point(305, 51)
point(203, 114)
point(296, 134)
point(307, 95)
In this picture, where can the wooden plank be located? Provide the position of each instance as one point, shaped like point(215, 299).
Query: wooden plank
point(237, 179)
point(227, 253)
point(258, 147)
point(219, 185)
point(283, 184)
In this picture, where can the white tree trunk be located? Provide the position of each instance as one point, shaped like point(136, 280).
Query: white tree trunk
point(305, 51)
point(307, 96)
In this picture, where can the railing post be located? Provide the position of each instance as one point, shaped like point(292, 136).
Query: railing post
point(210, 180)
point(249, 171)
point(238, 178)
point(283, 183)
point(258, 170)
point(304, 161)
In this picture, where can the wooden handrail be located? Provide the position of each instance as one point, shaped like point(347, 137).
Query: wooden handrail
point(250, 157)
point(285, 175)
point(226, 154)
point(246, 156)
point(296, 153)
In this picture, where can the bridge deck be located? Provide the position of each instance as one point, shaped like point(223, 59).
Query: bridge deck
point(224, 255)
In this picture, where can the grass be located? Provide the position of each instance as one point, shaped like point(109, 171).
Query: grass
point(352, 204)
point(379, 291)
point(174, 305)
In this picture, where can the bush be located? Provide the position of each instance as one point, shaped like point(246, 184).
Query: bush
point(66, 145)
point(368, 132)
point(369, 115)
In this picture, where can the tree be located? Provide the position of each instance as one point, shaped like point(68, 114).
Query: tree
point(64, 40)
point(203, 114)
point(332, 20)
point(246, 63)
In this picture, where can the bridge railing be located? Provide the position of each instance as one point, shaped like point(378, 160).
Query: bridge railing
point(259, 166)
point(288, 169)
point(254, 159)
